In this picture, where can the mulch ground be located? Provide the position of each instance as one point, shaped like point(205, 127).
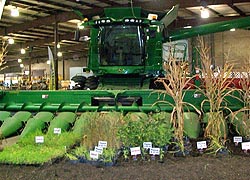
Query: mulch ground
point(206, 167)
point(190, 168)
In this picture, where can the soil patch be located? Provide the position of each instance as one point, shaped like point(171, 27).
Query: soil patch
point(200, 167)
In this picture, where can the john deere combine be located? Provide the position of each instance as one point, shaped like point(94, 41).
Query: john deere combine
point(125, 55)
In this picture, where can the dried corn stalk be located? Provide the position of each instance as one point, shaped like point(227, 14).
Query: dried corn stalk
point(175, 82)
point(216, 87)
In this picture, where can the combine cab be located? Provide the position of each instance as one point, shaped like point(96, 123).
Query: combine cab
point(125, 55)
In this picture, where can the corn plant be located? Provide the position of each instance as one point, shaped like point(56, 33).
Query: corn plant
point(174, 82)
point(216, 88)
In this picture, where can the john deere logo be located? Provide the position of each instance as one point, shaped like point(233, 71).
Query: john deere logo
point(120, 70)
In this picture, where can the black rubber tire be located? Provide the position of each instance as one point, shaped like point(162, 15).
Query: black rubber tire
point(80, 81)
point(91, 82)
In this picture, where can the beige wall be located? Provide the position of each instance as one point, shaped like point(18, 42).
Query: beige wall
point(233, 47)
point(67, 64)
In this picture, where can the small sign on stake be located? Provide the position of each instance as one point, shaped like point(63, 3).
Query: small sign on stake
point(98, 149)
point(39, 139)
point(147, 145)
point(57, 131)
point(135, 151)
point(237, 140)
point(201, 145)
point(154, 151)
point(93, 154)
point(103, 144)
point(245, 146)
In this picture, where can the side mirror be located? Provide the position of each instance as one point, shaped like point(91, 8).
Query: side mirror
point(165, 34)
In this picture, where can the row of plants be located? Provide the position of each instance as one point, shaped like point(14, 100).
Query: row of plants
point(216, 87)
point(122, 133)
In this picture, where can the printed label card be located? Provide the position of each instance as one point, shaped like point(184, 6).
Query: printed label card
point(39, 139)
point(147, 145)
point(103, 144)
point(135, 151)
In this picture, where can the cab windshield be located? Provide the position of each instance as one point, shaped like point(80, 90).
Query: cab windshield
point(121, 45)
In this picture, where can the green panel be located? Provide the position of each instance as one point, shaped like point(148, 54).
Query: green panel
point(81, 122)
point(38, 122)
point(63, 120)
point(13, 124)
point(192, 126)
point(119, 13)
point(4, 115)
point(241, 123)
point(209, 28)
point(80, 101)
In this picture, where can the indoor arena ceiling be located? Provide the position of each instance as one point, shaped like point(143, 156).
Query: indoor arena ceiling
point(34, 28)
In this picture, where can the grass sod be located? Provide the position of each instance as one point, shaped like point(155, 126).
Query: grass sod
point(26, 151)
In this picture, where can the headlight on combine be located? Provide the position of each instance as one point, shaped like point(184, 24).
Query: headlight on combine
point(103, 21)
point(132, 21)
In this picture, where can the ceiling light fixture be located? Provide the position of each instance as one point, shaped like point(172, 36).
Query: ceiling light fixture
point(19, 60)
point(233, 29)
point(14, 12)
point(11, 41)
point(21, 66)
point(23, 51)
point(48, 62)
point(204, 12)
point(59, 54)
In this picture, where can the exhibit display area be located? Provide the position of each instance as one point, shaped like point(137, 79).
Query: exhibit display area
point(133, 87)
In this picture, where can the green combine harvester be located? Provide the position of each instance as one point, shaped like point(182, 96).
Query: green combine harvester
point(125, 55)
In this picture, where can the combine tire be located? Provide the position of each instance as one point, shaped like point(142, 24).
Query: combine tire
point(91, 82)
point(80, 81)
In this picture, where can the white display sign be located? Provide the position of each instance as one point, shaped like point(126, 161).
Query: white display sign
point(39, 139)
point(135, 151)
point(57, 130)
point(98, 149)
point(147, 145)
point(154, 151)
point(245, 145)
point(45, 96)
point(201, 145)
point(93, 154)
point(103, 144)
point(237, 139)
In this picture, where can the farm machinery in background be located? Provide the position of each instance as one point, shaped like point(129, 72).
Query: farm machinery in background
point(125, 56)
